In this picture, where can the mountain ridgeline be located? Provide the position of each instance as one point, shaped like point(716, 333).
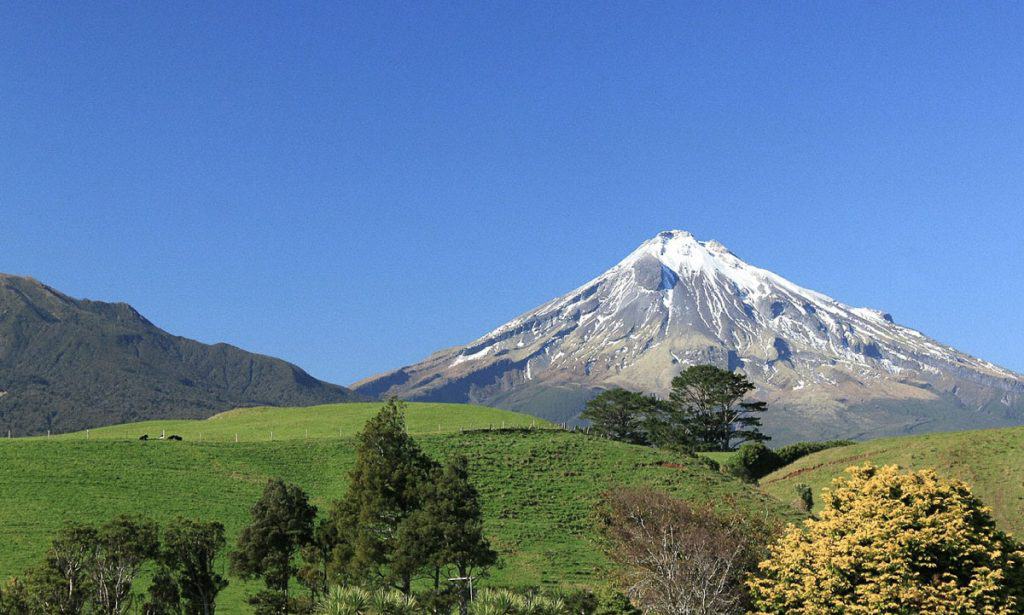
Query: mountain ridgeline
point(68, 364)
point(828, 370)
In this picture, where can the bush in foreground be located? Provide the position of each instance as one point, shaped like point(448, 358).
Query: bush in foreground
point(680, 558)
point(889, 542)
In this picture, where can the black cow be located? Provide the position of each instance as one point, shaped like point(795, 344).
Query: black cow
point(144, 437)
point(174, 437)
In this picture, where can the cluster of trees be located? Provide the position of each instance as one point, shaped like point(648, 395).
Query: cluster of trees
point(405, 519)
point(704, 412)
point(90, 569)
point(888, 542)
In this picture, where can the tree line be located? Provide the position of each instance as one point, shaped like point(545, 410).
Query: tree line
point(705, 411)
point(92, 569)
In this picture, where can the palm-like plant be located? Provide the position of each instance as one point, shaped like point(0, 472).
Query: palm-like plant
point(506, 602)
point(394, 602)
point(358, 601)
point(345, 601)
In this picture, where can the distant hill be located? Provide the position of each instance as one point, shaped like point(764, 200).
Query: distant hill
point(329, 421)
point(540, 488)
point(68, 364)
point(828, 370)
point(990, 460)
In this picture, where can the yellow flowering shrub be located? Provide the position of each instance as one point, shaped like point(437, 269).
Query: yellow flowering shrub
point(892, 542)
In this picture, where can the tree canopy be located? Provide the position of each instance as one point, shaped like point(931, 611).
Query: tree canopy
point(621, 415)
point(706, 410)
point(892, 542)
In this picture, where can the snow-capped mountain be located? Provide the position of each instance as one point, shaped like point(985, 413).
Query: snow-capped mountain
point(827, 369)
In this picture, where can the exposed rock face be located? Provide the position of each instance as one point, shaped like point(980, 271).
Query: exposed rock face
point(68, 364)
point(826, 368)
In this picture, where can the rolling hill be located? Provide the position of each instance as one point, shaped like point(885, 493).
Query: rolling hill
point(539, 486)
point(990, 460)
point(827, 369)
point(314, 422)
point(68, 364)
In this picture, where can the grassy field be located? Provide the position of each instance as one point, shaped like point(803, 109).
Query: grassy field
point(540, 487)
point(314, 422)
point(991, 461)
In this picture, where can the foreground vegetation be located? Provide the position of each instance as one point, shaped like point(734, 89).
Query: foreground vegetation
point(991, 461)
point(539, 488)
point(893, 542)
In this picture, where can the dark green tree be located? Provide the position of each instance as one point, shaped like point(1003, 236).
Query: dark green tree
point(189, 550)
point(446, 534)
point(621, 415)
point(163, 597)
point(706, 408)
point(316, 558)
point(753, 461)
point(123, 546)
point(282, 523)
point(385, 488)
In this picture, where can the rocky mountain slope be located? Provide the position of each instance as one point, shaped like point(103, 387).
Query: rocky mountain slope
point(827, 369)
point(68, 364)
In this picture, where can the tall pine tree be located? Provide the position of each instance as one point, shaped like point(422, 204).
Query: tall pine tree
point(385, 488)
point(447, 533)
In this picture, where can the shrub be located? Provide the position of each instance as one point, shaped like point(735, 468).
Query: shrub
point(752, 461)
point(679, 558)
point(14, 598)
point(889, 542)
point(709, 463)
point(804, 497)
point(614, 602)
point(790, 453)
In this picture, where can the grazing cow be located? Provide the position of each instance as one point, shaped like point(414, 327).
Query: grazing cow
point(174, 437)
point(144, 437)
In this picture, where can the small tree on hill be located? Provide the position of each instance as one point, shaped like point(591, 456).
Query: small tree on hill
point(385, 488)
point(889, 542)
point(282, 523)
point(189, 550)
point(706, 408)
point(621, 415)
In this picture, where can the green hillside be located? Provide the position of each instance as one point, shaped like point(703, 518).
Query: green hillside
point(539, 487)
point(327, 421)
point(991, 461)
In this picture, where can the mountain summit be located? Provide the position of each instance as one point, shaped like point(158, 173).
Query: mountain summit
point(827, 369)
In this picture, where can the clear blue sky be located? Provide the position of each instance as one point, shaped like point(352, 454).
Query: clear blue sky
point(351, 186)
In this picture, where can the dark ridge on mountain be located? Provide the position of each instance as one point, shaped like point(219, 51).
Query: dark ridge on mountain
point(826, 369)
point(68, 364)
